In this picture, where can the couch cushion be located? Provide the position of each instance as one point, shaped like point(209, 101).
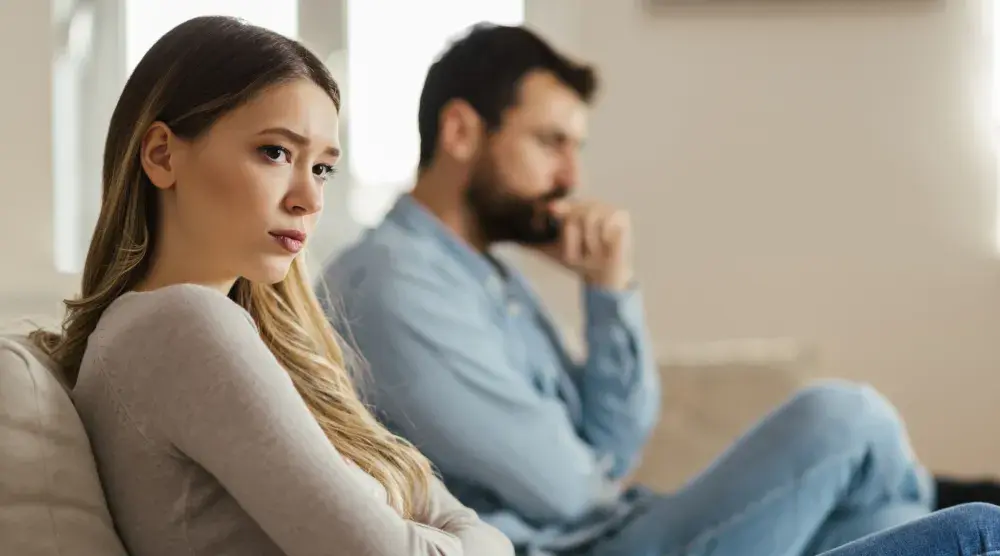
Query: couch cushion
point(51, 501)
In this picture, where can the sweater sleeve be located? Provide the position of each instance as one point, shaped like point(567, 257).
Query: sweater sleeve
point(446, 513)
point(214, 391)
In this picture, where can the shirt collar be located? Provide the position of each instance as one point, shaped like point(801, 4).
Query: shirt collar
point(410, 214)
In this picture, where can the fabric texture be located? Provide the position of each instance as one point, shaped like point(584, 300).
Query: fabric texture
point(968, 530)
point(51, 501)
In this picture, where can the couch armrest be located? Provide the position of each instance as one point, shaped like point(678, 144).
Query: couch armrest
point(705, 408)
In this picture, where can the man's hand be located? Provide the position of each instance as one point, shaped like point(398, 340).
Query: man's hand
point(595, 243)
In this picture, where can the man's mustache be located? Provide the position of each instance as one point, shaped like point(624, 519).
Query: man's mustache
point(556, 194)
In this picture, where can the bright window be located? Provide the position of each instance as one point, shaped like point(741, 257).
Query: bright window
point(148, 20)
point(995, 36)
point(388, 54)
point(994, 10)
point(73, 51)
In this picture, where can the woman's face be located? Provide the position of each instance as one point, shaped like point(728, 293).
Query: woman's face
point(242, 198)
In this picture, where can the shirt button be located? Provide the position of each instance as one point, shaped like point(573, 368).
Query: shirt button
point(513, 309)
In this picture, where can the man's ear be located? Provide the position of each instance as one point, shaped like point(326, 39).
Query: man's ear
point(461, 130)
point(155, 155)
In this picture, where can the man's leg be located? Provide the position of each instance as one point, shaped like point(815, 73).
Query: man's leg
point(844, 527)
point(831, 465)
point(969, 530)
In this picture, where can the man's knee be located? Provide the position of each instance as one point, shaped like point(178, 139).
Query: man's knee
point(845, 403)
point(976, 526)
point(976, 513)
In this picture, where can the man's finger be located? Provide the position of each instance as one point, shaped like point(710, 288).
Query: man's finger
point(561, 208)
point(611, 234)
point(614, 229)
point(571, 239)
point(592, 224)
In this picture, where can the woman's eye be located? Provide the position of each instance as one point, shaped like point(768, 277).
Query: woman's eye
point(324, 171)
point(276, 153)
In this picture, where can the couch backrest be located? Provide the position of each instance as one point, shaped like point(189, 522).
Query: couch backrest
point(51, 500)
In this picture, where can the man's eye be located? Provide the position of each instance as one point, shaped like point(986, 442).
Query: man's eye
point(551, 141)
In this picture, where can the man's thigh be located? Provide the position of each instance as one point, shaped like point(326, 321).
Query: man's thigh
point(780, 524)
point(779, 485)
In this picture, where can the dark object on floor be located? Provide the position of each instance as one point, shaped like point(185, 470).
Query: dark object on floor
point(953, 492)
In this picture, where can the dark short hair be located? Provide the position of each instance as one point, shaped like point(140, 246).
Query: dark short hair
point(485, 68)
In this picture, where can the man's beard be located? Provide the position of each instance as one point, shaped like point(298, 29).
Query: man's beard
point(505, 217)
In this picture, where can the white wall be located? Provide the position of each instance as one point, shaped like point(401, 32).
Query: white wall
point(28, 281)
point(818, 173)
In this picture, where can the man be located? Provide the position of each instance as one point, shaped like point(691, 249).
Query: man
point(466, 364)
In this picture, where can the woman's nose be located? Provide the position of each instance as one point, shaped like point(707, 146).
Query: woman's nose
point(305, 197)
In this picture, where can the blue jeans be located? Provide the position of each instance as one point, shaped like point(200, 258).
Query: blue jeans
point(830, 466)
point(969, 530)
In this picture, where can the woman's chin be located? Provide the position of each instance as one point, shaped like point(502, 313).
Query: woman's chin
point(270, 271)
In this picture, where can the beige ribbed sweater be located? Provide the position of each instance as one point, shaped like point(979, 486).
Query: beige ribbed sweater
point(205, 447)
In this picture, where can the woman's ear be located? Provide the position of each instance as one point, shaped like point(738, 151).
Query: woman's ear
point(461, 130)
point(155, 155)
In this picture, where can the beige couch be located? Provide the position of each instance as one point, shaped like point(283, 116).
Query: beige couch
point(52, 504)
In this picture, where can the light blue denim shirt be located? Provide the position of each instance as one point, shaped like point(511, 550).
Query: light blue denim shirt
point(465, 363)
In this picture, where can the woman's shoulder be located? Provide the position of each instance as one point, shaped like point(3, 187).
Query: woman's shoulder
point(171, 306)
point(150, 343)
point(171, 318)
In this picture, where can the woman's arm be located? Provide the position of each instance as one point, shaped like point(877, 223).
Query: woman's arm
point(445, 512)
point(212, 388)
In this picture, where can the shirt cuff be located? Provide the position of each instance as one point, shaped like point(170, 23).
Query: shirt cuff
point(604, 305)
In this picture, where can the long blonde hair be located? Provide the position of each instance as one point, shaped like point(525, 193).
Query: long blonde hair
point(197, 72)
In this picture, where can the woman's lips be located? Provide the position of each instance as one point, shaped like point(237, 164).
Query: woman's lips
point(292, 240)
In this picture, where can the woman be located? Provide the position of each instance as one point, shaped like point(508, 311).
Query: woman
point(213, 389)
point(211, 385)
